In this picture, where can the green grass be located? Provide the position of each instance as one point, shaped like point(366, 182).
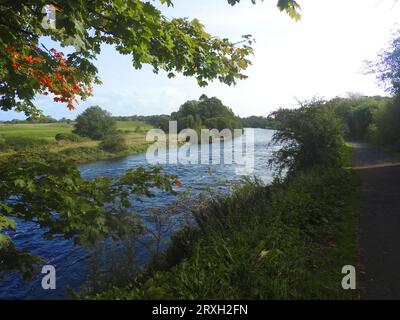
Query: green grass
point(285, 241)
point(133, 125)
point(43, 130)
point(49, 130)
point(87, 150)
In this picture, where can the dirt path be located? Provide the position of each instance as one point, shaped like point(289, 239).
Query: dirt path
point(379, 231)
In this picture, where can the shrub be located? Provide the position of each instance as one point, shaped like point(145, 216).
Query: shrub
point(113, 143)
point(310, 136)
point(387, 122)
point(22, 143)
point(72, 137)
point(95, 123)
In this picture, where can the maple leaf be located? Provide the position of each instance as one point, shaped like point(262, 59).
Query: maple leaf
point(178, 183)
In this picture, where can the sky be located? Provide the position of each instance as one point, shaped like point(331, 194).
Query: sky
point(322, 55)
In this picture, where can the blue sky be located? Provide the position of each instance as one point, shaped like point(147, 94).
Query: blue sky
point(322, 55)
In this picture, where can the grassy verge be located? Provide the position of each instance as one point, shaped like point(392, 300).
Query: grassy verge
point(289, 240)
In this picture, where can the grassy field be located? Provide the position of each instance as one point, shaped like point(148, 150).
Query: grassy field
point(49, 130)
point(134, 133)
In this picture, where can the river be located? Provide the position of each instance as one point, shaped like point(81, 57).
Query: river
point(72, 261)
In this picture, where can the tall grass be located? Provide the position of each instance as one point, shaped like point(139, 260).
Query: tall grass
point(289, 240)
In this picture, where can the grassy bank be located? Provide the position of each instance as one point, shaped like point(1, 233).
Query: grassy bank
point(19, 137)
point(289, 240)
point(49, 130)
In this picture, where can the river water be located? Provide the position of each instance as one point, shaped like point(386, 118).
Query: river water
point(72, 262)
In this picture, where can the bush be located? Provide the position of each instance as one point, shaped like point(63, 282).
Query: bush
point(387, 122)
point(95, 123)
point(310, 136)
point(22, 143)
point(68, 137)
point(113, 143)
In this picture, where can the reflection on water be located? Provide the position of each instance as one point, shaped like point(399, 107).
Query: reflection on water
point(71, 261)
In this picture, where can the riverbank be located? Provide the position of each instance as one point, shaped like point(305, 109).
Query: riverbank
point(41, 137)
point(288, 240)
point(74, 262)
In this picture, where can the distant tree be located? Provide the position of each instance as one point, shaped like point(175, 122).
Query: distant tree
point(220, 123)
point(387, 69)
point(65, 120)
point(357, 113)
point(256, 122)
point(95, 123)
point(206, 113)
point(47, 119)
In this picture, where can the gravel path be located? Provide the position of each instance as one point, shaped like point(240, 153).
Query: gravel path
point(379, 230)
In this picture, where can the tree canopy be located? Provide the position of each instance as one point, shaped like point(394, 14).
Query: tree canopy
point(134, 27)
point(387, 69)
point(206, 113)
point(95, 123)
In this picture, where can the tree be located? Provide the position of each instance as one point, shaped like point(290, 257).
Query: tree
point(256, 122)
point(134, 27)
point(95, 123)
point(207, 112)
point(387, 69)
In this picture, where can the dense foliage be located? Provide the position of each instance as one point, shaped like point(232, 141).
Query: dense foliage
point(113, 143)
point(357, 113)
point(259, 122)
point(206, 112)
point(95, 123)
point(385, 127)
point(71, 137)
point(371, 119)
point(309, 136)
